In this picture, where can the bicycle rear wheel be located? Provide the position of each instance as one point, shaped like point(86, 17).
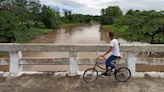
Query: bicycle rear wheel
point(122, 74)
point(90, 75)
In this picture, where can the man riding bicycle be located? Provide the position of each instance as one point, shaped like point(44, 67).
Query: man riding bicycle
point(114, 48)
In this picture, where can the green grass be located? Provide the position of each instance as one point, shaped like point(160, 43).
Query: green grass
point(27, 35)
point(40, 30)
point(120, 31)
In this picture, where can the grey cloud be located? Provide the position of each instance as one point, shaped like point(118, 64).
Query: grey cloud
point(70, 3)
point(135, 4)
point(125, 5)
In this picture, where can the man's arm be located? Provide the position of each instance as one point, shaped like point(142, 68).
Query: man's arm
point(108, 51)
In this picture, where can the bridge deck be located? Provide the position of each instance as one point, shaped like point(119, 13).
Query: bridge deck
point(49, 83)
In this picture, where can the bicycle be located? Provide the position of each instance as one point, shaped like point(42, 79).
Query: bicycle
point(121, 74)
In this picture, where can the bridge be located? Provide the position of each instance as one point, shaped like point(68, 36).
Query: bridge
point(45, 81)
point(131, 51)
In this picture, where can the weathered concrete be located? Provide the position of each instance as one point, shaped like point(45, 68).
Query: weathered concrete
point(131, 61)
point(79, 47)
point(49, 83)
point(43, 61)
point(73, 65)
point(14, 62)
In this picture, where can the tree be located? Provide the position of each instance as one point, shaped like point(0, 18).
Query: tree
point(8, 26)
point(68, 16)
point(144, 26)
point(49, 18)
point(109, 14)
point(34, 8)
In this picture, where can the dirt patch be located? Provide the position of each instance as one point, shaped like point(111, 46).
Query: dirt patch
point(50, 83)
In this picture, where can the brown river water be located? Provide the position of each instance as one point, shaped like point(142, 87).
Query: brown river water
point(75, 34)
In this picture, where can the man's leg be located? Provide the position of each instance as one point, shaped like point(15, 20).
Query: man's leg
point(109, 61)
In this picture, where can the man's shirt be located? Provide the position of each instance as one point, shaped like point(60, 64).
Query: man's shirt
point(115, 47)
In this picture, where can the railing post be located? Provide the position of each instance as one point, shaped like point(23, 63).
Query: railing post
point(14, 62)
point(73, 63)
point(131, 62)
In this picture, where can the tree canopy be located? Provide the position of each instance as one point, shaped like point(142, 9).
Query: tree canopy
point(109, 14)
point(146, 26)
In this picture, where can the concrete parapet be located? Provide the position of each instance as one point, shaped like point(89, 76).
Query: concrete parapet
point(73, 61)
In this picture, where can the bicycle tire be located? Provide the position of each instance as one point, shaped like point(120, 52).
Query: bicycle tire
point(90, 75)
point(123, 74)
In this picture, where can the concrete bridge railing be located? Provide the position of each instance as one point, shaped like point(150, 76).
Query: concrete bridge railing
point(16, 60)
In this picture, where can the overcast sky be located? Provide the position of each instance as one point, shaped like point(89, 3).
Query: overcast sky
point(93, 7)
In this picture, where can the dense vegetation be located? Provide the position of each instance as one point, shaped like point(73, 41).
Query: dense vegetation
point(135, 25)
point(22, 20)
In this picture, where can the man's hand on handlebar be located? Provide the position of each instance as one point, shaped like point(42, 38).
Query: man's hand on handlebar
point(102, 56)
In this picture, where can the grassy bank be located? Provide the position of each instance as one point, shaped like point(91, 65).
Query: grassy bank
point(120, 32)
point(33, 32)
point(123, 32)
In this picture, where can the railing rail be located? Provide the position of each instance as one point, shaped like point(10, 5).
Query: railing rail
point(80, 47)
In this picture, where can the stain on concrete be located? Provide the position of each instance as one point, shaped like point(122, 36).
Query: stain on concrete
point(51, 83)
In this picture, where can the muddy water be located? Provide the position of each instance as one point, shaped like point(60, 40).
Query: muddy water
point(78, 34)
point(75, 34)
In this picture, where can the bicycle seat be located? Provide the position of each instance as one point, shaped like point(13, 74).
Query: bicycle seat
point(119, 57)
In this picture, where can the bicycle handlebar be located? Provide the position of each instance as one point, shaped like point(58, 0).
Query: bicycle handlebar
point(100, 57)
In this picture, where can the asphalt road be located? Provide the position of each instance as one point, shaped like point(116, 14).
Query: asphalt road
point(50, 83)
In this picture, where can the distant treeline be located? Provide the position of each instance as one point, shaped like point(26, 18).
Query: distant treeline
point(135, 25)
point(21, 20)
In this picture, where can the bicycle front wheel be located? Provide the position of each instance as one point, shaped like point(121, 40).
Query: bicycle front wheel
point(90, 75)
point(122, 74)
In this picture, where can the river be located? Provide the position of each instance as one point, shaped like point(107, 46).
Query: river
point(75, 34)
point(78, 34)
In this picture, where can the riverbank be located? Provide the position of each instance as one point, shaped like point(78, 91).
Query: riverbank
point(50, 83)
